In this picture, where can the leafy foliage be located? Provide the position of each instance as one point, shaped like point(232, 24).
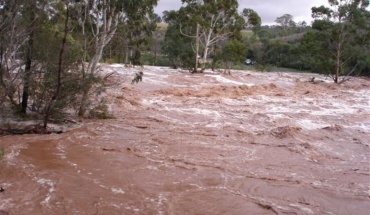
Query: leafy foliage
point(178, 47)
point(340, 43)
point(100, 112)
point(208, 23)
point(44, 46)
point(233, 52)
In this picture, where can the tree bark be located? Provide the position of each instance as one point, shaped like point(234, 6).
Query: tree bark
point(101, 40)
point(337, 60)
point(196, 49)
point(27, 72)
point(339, 52)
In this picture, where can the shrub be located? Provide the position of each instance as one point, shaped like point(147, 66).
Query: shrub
point(100, 112)
point(263, 67)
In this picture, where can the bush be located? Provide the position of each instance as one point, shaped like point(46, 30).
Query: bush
point(263, 67)
point(100, 112)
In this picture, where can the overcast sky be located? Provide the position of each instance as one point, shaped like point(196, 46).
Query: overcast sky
point(267, 9)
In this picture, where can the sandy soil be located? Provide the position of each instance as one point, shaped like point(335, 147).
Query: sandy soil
point(245, 143)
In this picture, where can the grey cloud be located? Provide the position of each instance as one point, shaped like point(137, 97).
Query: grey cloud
point(267, 9)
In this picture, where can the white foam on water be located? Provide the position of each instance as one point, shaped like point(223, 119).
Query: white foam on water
point(117, 65)
point(11, 157)
point(321, 145)
point(155, 79)
point(160, 202)
point(48, 184)
point(241, 101)
point(310, 124)
point(154, 100)
point(278, 116)
point(117, 191)
point(62, 151)
point(224, 80)
point(302, 208)
point(359, 126)
point(198, 111)
point(152, 167)
point(6, 203)
point(215, 125)
point(174, 120)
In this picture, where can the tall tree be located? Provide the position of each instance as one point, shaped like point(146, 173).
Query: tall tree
point(140, 30)
point(213, 21)
point(31, 12)
point(13, 33)
point(285, 21)
point(232, 52)
point(104, 17)
point(61, 67)
point(342, 27)
point(252, 19)
point(176, 46)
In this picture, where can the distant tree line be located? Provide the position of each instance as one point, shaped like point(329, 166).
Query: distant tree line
point(337, 43)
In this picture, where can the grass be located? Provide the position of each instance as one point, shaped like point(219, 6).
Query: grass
point(271, 68)
point(283, 69)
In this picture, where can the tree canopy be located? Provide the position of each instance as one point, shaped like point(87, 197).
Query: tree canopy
point(50, 50)
point(343, 32)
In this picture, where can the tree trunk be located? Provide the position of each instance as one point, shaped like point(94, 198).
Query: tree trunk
point(104, 33)
point(27, 76)
point(337, 62)
point(126, 56)
point(338, 54)
point(206, 48)
point(27, 72)
point(60, 71)
point(90, 71)
point(84, 101)
point(196, 49)
point(204, 61)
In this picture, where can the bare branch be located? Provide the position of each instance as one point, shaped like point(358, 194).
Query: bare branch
point(184, 33)
point(348, 76)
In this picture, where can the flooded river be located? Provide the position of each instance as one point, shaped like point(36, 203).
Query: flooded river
point(245, 143)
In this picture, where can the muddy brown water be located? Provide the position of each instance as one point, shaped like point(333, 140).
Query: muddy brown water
point(249, 143)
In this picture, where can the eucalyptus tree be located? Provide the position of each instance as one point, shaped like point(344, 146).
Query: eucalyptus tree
point(158, 36)
point(140, 30)
point(252, 19)
point(176, 46)
point(32, 32)
point(13, 35)
point(211, 21)
point(19, 21)
point(233, 52)
point(56, 92)
point(103, 18)
point(44, 45)
point(343, 32)
point(30, 14)
point(285, 21)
